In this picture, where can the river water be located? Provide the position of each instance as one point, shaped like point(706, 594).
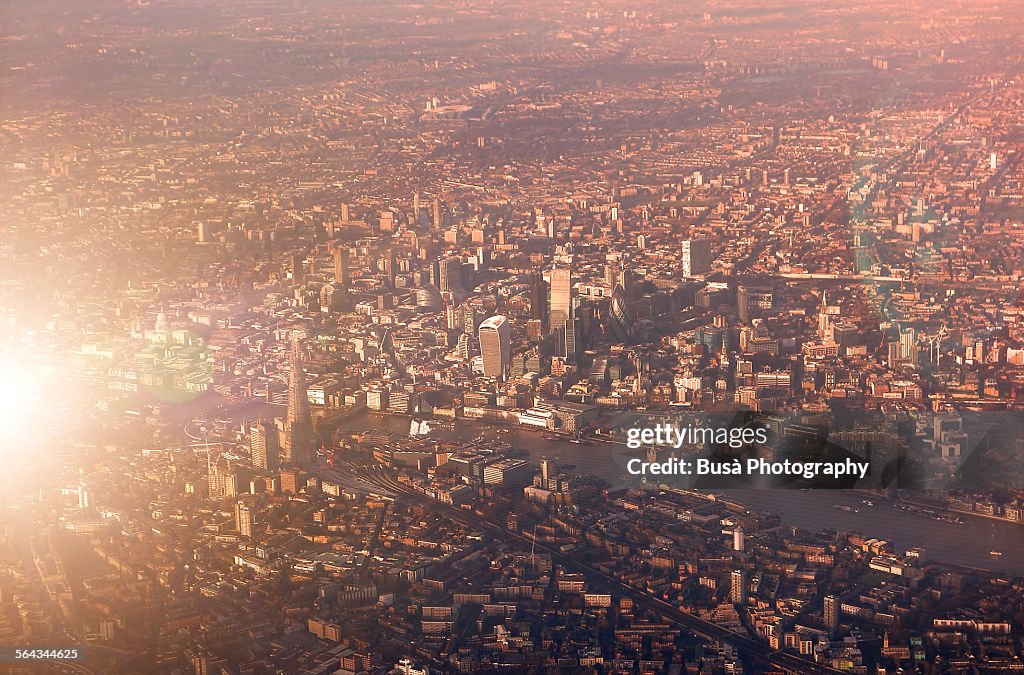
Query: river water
point(967, 545)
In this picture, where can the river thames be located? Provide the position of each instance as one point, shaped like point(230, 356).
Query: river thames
point(968, 544)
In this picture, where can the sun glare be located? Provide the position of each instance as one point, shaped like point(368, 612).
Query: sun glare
point(22, 405)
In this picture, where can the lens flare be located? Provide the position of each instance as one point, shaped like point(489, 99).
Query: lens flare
point(22, 406)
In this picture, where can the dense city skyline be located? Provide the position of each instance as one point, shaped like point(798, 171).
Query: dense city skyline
point(332, 334)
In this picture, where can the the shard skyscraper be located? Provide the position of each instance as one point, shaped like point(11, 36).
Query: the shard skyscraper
point(298, 429)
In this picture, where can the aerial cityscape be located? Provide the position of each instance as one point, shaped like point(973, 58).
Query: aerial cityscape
point(583, 336)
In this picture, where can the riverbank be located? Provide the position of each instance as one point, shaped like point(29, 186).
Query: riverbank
point(965, 545)
point(986, 516)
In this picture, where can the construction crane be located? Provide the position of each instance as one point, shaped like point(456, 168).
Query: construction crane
point(935, 342)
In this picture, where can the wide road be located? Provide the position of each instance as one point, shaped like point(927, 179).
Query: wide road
point(750, 648)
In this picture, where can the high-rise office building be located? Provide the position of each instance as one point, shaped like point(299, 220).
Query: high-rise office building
point(465, 347)
point(539, 299)
point(243, 520)
point(201, 663)
point(617, 274)
point(738, 587)
point(290, 482)
point(449, 274)
point(331, 297)
point(738, 540)
point(620, 315)
point(298, 445)
point(548, 469)
point(341, 271)
point(496, 346)
point(743, 303)
point(221, 478)
point(514, 473)
point(696, 257)
point(561, 296)
point(470, 319)
point(831, 612)
point(108, 629)
point(298, 273)
point(390, 268)
point(535, 330)
point(263, 446)
point(567, 334)
point(908, 344)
